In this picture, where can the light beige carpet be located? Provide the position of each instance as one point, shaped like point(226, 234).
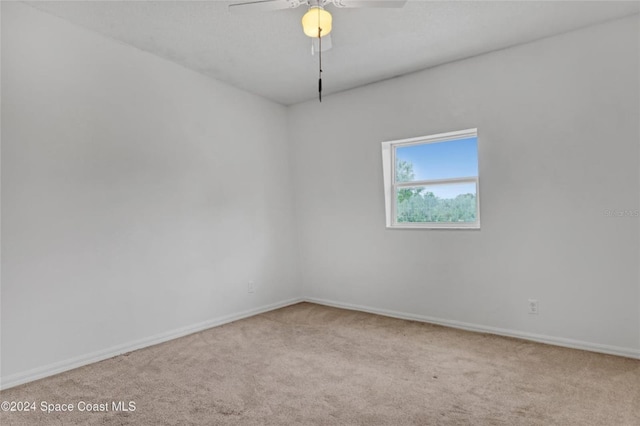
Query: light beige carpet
point(313, 365)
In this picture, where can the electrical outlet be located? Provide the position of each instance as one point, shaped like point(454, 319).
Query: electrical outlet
point(533, 306)
point(251, 287)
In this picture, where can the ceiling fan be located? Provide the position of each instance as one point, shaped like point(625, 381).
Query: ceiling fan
point(316, 22)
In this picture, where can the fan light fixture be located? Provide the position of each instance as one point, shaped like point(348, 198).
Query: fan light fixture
point(316, 17)
point(316, 22)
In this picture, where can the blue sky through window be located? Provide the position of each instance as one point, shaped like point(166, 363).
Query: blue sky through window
point(442, 160)
point(451, 190)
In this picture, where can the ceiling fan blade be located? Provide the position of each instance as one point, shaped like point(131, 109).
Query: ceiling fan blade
point(264, 5)
point(369, 3)
point(326, 44)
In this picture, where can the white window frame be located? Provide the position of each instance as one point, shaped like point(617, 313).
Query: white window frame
point(391, 186)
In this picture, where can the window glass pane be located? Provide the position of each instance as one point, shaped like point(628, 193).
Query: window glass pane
point(446, 203)
point(438, 160)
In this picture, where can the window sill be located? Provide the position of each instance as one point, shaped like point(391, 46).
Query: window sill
point(475, 227)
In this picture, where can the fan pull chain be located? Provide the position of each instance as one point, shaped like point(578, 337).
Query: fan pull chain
point(320, 65)
point(319, 59)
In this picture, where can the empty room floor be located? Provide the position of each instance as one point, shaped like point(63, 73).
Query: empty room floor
point(317, 365)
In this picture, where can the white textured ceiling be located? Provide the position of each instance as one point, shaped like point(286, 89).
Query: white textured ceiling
point(267, 53)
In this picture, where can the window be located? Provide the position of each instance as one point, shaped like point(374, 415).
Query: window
point(432, 181)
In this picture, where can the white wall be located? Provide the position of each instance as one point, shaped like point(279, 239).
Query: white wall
point(558, 124)
point(138, 197)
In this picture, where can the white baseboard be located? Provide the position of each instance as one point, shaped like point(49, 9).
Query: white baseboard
point(70, 364)
point(551, 340)
point(59, 367)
